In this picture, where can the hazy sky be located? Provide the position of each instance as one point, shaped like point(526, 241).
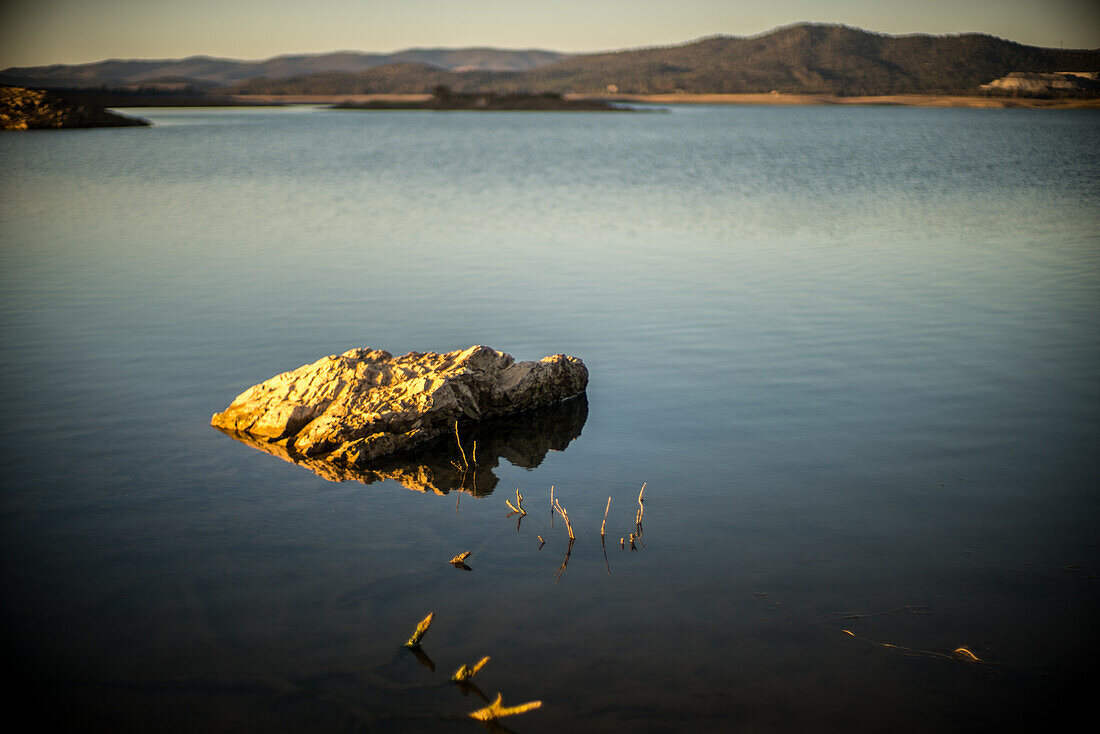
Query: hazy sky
point(34, 32)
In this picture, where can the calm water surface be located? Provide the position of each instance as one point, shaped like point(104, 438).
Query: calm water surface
point(852, 352)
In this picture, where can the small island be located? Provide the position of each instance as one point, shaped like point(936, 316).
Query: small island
point(443, 99)
point(35, 109)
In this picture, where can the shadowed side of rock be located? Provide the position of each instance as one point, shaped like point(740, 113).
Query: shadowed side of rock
point(350, 409)
point(523, 439)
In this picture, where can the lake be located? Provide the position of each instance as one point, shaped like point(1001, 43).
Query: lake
point(851, 353)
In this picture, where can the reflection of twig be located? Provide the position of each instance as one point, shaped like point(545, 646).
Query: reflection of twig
point(564, 563)
point(551, 506)
point(467, 687)
point(422, 658)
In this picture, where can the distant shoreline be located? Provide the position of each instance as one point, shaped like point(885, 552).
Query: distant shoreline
point(904, 100)
point(445, 100)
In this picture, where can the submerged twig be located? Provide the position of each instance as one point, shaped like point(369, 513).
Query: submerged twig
point(421, 629)
point(959, 653)
point(910, 608)
point(495, 710)
point(518, 507)
point(465, 673)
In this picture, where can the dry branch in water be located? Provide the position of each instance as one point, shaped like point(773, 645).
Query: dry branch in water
point(458, 440)
point(603, 525)
point(496, 711)
point(641, 509)
point(461, 557)
point(518, 507)
point(465, 673)
point(421, 628)
point(565, 517)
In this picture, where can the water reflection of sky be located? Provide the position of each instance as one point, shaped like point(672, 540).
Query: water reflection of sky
point(850, 351)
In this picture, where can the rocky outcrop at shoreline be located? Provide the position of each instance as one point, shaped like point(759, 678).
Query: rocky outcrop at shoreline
point(1061, 83)
point(34, 109)
point(352, 408)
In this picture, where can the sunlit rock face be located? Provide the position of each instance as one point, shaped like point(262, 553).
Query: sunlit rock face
point(350, 409)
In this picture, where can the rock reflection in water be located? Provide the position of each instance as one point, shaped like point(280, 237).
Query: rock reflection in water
point(439, 467)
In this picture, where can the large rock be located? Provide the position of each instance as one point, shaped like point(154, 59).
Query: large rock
point(352, 408)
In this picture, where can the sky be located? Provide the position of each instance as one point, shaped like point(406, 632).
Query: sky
point(40, 32)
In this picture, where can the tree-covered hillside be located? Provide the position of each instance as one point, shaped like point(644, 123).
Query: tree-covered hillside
point(808, 59)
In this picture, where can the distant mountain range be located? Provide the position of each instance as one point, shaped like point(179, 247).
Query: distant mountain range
point(206, 72)
point(802, 58)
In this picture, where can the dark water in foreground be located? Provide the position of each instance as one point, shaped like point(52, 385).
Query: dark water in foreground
point(852, 352)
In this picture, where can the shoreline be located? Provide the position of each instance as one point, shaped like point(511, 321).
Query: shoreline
point(897, 100)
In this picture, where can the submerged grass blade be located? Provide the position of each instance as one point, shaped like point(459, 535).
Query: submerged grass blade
point(496, 711)
point(963, 653)
point(421, 628)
